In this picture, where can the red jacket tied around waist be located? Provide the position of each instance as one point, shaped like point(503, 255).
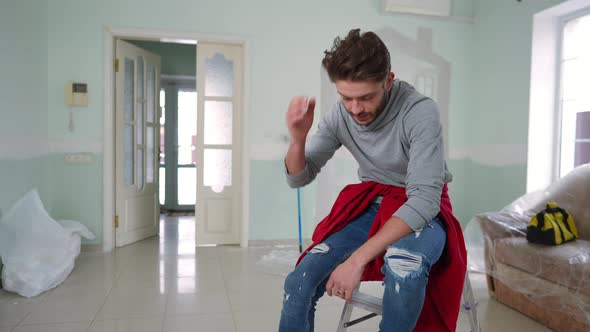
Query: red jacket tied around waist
point(445, 283)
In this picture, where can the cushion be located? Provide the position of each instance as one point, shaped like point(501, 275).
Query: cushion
point(567, 264)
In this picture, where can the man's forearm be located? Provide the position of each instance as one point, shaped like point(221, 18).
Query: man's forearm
point(295, 159)
point(393, 230)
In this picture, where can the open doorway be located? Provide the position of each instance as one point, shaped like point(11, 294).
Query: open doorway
point(200, 172)
point(177, 160)
point(178, 125)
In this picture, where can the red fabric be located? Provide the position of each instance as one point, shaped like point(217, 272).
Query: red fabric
point(445, 284)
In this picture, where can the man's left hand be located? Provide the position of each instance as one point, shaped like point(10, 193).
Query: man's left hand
point(345, 279)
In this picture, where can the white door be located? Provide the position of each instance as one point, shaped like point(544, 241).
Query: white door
point(136, 143)
point(219, 91)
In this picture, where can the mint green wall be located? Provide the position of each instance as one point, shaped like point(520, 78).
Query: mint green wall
point(498, 112)
point(177, 59)
point(17, 177)
point(462, 8)
point(23, 66)
point(286, 41)
point(23, 98)
point(75, 192)
point(502, 49)
point(490, 60)
point(276, 204)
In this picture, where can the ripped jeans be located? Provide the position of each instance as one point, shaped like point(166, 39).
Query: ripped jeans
point(407, 265)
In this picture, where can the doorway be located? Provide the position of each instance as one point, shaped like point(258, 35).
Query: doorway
point(178, 157)
point(221, 180)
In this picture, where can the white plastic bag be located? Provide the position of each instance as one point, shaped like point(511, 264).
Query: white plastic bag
point(38, 253)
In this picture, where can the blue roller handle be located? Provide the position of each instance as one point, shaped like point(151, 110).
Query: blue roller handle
point(299, 217)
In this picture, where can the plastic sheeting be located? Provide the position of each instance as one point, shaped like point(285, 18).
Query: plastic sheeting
point(38, 253)
point(553, 277)
point(278, 262)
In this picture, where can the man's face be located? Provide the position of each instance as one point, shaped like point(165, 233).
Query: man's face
point(364, 100)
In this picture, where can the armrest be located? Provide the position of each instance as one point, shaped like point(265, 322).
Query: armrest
point(497, 225)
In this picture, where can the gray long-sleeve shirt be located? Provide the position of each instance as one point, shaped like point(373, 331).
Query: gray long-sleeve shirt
point(402, 147)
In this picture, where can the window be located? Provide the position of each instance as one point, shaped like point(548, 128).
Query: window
point(558, 106)
point(574, 99)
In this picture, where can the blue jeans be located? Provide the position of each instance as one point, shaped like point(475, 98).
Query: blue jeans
point(407, 265)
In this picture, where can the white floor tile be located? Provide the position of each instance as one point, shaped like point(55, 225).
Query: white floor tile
point(64, 310)
point(12, 313)
point(257, 321)
point(199, 303)
point(63, 327)
point(209, 322)
point(128, 325)
point(498, 317)
point(167, 283)
point(254, 281)
point(10, 297)
point(132, 305)
point(254, 300)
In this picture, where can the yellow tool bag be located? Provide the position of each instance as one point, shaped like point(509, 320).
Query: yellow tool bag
point(552, 226)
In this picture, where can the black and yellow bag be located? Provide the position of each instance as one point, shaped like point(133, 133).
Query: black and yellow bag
point(552, 226)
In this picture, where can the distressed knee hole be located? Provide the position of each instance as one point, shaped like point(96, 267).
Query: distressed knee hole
point(321, 248)
point(402, 262)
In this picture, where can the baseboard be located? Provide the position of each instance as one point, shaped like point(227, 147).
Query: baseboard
point(91, 248)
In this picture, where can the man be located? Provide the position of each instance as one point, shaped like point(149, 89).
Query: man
point(401, 208)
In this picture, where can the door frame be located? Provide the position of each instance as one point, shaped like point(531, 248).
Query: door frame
point(109, 36)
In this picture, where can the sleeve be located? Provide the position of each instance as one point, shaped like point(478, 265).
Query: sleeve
point(426, 166)
point(318, 150)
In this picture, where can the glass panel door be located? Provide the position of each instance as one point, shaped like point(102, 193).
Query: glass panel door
point(218, 212)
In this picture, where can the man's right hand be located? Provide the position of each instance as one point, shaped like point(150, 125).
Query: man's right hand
point(300, 119)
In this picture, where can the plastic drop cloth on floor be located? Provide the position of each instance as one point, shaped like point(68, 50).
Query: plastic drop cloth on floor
point(38, 252)
point(554, 277)
point(278, 261)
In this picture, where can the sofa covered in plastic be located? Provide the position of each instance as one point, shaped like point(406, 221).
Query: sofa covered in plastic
point(550, 284)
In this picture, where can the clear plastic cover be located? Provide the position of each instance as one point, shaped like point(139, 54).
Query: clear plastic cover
point(278, 262)
point(38, 252)
point(532, 277)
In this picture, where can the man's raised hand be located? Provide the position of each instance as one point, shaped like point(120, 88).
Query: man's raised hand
point(300, 118)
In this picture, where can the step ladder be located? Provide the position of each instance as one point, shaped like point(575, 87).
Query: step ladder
point(373, 304)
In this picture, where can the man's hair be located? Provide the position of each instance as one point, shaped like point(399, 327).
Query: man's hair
point(358, 57)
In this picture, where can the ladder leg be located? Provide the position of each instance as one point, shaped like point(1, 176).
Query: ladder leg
point(469, 305)
point(345, 317)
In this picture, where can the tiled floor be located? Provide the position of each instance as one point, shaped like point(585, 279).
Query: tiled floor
point(166, 284)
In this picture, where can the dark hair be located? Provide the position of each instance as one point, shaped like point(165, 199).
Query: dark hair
point(358, 57)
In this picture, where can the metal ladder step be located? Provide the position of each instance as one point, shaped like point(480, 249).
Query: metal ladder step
point(367, 302)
